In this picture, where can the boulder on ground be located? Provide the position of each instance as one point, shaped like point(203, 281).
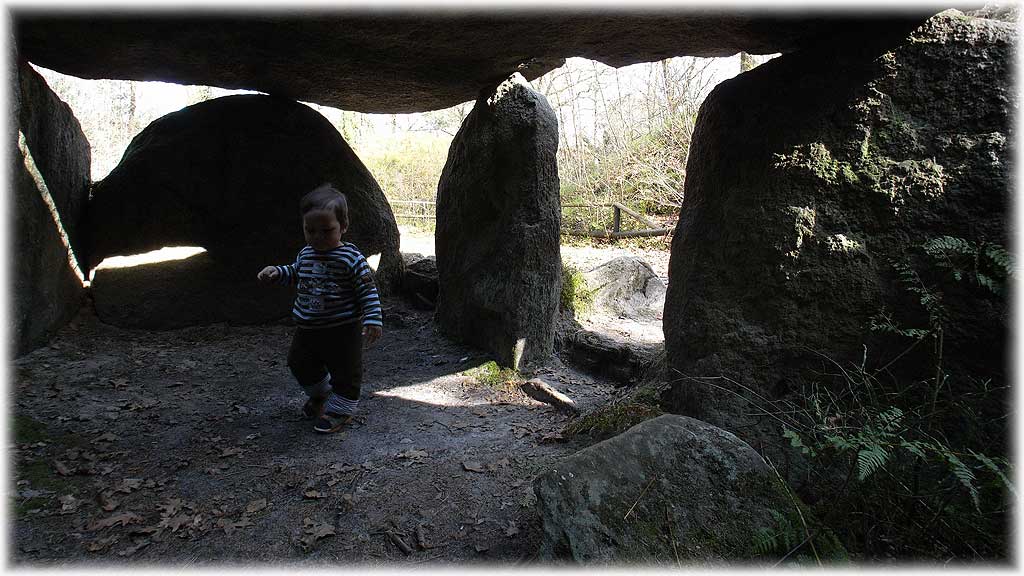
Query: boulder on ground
point(626, 286)
point(227, 174)
point(620, 359)
point(497, 236)
point(670, 490)
point(419, 281)
point(50, 185)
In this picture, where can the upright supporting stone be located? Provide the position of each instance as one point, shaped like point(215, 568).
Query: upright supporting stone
point(226, 174)
point(809, 180)
point(50, 185)
point(498, 223)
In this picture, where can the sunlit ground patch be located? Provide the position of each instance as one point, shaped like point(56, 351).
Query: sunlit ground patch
point(434, 392)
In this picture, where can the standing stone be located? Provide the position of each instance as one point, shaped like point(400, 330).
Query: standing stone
point(50, 162)
point(227, 174)
point(498, 224)
point(809, 176)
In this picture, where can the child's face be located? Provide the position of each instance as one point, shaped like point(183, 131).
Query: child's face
point(322, 229)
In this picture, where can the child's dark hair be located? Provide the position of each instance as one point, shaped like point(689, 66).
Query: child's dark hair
point(326, 197)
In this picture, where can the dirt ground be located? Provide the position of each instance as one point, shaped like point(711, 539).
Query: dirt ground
point(186, 447)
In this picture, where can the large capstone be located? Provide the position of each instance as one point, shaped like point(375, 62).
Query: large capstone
point(498, 227)
point(812, 182)
point(227, 175)
point(50, 185)
point(668, 490)
point(416, 59)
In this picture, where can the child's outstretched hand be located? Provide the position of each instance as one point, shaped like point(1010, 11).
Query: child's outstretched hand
point(371, 333)
point(268, 274)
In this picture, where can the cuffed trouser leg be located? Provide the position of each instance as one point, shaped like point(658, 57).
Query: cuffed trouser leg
point(329, 363)
point(307, 368)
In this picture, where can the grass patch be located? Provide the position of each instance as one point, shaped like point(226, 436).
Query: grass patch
point(491, 375)
point(28, 431)
point(616, 418)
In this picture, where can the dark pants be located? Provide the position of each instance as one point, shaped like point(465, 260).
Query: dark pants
point(337, 350)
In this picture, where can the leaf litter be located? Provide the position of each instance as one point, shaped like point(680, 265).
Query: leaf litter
point(191, 440)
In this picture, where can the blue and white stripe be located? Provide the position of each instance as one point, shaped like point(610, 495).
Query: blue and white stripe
point(335, 287)
point(340, 405)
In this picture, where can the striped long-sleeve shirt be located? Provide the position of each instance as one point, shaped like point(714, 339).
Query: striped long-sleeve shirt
point(335, 287)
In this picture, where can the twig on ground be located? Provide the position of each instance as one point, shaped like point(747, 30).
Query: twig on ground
point(810, 537)
point(397, 541)
point(644, 491)
point(421, 539)
point(672, 535)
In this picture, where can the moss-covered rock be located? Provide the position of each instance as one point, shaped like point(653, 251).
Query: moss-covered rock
point(807, 178)
point(671, 489)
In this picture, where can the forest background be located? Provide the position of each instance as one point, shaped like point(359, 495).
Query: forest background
point(624, 133)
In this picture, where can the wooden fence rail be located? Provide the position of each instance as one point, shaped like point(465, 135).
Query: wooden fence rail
point(617, 231)
point(426, 209)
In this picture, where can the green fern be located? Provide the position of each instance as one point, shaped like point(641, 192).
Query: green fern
point(999, 257)
point(890, 419)
point(870, 459)
point(796, 442)
point(781, 539)
point(965, 476)
point(916, 448)
point(991, 465)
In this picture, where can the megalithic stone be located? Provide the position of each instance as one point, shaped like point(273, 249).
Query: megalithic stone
point(498, 219)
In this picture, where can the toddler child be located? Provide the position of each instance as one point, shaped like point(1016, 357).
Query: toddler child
point(336, 307)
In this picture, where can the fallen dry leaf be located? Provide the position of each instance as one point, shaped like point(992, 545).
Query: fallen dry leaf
point(108, 437)
point(129, 484)
point(170, 507)
point(256, 506)
point(503, 463)
point(69, 504)
point(552, 437)
point(230, 526)
point(133, 549)
point(473, 467)
point(123, 519)
point(314, 531)
point(511, 529)
point(106, 502)
point(175, 523)
point(102, 544)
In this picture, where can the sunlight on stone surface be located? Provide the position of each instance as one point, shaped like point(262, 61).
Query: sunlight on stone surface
point(164, 254)
point(44, 193)
point(432, 392)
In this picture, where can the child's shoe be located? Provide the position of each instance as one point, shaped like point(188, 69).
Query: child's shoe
point(314, 407)
point(330, 423)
